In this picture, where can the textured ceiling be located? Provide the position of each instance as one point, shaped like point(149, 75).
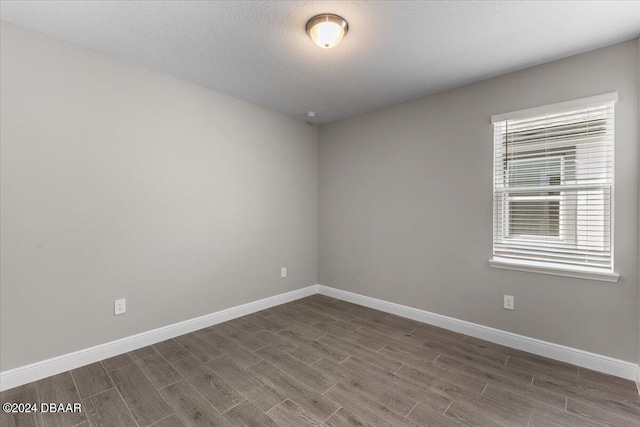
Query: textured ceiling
point(258, 51)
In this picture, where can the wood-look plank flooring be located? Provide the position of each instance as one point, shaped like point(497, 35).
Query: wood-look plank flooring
point(319, 361)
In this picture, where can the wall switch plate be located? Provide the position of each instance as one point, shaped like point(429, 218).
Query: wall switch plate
point(283, 272)
point(509, 302)
point(120, 306)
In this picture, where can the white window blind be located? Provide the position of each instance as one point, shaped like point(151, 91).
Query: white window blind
point(553, 185)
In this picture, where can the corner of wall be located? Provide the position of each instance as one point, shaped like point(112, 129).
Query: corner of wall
point(638, 379)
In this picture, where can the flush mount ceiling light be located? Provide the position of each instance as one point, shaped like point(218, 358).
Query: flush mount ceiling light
point(327, 30)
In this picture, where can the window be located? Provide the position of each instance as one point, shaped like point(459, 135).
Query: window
point(553, 189)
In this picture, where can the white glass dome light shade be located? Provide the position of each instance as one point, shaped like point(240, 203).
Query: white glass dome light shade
point(327, 30)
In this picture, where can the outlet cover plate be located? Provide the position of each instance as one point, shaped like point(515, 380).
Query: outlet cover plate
point(509, 302)
point(120, 306)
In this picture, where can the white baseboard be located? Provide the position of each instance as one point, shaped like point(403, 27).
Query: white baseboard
point(585, 359)
point(36, 371)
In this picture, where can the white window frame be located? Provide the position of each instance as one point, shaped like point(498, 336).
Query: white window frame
point(532, 266)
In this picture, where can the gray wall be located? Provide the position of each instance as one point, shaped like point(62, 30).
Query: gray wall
point(120, 182)
point(406, 204)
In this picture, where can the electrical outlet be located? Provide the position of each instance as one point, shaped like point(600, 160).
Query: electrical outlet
point(509, 302)
point(283, 272)
point(120, 306)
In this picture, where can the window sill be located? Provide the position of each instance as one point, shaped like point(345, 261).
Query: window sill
point(544, 268)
